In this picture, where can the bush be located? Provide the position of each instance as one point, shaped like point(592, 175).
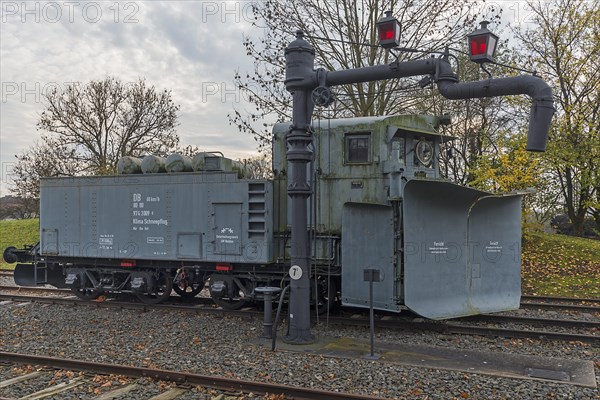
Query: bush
point(562, 224)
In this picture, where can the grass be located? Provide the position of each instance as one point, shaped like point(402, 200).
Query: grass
point(553, 265)
point(18, 233)
point(560, 265)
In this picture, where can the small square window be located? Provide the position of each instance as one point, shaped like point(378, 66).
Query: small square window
point(358, 148)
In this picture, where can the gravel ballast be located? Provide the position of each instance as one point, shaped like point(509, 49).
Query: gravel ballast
point(211, 345)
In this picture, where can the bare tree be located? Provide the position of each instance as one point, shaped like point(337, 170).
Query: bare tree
point(91, 126)
point(104, 120)
point(259, 166)
point(46, 158)
point(344, 36)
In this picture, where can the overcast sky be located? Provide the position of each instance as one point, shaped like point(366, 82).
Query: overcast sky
point(190, 47)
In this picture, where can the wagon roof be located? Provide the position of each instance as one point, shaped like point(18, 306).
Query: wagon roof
point(411, 122)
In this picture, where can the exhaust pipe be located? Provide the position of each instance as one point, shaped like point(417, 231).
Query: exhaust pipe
point(542, 108)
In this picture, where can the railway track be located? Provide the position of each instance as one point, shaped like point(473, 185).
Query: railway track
point(560, 303)
point(19, 289)
point(566, 323)
point(559, 307)
point(187, 378)
point(527, 302)
point(460, 326)
point(527, 298)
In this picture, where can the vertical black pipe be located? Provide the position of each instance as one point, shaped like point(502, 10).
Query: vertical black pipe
point(300, 58)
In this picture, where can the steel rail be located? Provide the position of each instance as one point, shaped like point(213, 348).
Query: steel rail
point(216, 382)
point(523, 334)
point(129, 305)
point(558, 298)
point(71, 294)
point(554, 306)
point(567, 323)
point(530, 300)
point(34, 289)
point(448, 327)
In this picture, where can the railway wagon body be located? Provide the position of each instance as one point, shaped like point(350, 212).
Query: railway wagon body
point(140, 232)
point(157, 218)
point(378, 201)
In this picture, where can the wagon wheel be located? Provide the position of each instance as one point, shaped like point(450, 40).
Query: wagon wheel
point(187, 290)
point(86, 293)
point(327, 296)
point(229, 303)
point(84, 289)
point(161, 292)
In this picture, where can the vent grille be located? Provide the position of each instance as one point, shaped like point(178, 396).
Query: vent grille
point(256, 210)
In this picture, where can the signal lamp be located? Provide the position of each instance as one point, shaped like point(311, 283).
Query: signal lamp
point(482, 44)
point(388, 31)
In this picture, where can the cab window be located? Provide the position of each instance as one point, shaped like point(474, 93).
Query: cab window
point(358, 148)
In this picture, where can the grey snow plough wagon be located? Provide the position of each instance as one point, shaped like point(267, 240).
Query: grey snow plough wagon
point(378, 201)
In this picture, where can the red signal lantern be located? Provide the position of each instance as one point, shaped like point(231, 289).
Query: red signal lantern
point(482, 44)
point(388, 31)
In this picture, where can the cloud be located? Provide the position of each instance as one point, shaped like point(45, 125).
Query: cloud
point(189, 47)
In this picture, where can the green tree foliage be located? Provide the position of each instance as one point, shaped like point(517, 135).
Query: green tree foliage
point(513, 169)
point(510, 169)
point(565, 49)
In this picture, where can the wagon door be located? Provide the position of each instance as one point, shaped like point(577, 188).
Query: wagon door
point(228, 228)
point(368, 242)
